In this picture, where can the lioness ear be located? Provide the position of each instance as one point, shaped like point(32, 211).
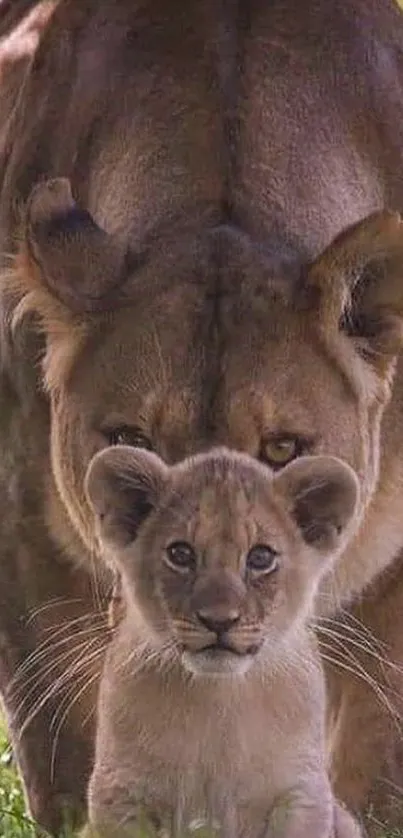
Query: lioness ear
point(65, 255)
point(321, 494)
point(123, 485)
point(358, 280)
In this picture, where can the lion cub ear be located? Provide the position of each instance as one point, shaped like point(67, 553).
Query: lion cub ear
point(321, 495)
point(123, 485)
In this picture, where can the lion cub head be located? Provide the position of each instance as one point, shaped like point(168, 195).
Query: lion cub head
point(219, 558)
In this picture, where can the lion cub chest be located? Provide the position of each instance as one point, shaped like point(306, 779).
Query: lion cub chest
point(192, 750)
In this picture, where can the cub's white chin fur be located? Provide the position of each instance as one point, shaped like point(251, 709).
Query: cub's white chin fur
point(216, 663)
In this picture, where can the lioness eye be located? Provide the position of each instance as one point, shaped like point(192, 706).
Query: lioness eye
point(262, 559)
point(126, 435)
point(280, 450)
point(181, 556)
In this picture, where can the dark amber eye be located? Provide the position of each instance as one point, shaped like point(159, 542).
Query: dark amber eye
point(277, 451)
point(126, 435)
point(262, 559)
point(181, 556)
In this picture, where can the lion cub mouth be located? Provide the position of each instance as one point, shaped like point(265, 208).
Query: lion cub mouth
point(218, 659)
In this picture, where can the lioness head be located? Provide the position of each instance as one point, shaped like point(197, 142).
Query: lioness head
point(200, 338)
point(220, 558)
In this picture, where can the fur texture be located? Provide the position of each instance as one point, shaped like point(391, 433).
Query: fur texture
point(229, 164)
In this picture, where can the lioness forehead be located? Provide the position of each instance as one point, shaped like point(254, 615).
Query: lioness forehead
point(189, 385)
point(212, 350)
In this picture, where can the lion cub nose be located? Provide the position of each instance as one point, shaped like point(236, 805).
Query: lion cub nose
point(218, 621)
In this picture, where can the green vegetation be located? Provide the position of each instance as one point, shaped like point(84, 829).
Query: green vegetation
point(14, 822)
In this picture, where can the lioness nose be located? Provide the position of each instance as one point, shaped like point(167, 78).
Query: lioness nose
point(218, 623)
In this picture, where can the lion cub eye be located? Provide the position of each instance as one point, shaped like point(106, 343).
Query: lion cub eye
point(126, 435)
point(180, 556)
point(262, 559)
point(280, 450)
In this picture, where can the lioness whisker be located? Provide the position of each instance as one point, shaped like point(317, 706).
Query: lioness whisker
point(360, 672)
point(92, 710)
point(348, 652)
point(79, 672)
point(79, 675)
point(52, 689)
point(49, 643)
point(57, 686)
point(52, 603)
point(351, 641)
point(49, 695)
point(86, 686)
point(41, 674)
point(22, 674)
point(358, 626)
point(96, 617)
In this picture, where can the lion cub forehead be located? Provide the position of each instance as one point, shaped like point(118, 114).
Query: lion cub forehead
point(223, 480)
point(222, 467)
point(225, 498)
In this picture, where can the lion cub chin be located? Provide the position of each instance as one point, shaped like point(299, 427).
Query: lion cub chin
point(211, 706)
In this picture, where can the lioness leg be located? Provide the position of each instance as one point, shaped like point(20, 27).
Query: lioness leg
point(54, 752)
point(39, 594)
point(47, 628)
point(360, 742)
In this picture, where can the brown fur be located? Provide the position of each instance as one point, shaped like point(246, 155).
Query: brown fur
point(212, 700)
point(215, 151)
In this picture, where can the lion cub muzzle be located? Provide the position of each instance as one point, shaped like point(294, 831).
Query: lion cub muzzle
point(221, 641)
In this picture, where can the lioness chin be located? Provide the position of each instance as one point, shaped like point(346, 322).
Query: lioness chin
point(212, 699)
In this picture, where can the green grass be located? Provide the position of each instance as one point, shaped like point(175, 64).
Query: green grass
point(14, 821)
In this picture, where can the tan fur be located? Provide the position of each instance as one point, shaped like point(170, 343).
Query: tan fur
point(210, 286)
point(212, 699)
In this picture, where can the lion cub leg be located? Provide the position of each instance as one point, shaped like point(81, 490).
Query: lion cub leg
point(312, 812)
point(345, 825)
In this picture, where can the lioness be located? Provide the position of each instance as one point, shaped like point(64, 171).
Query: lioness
point(215, 267)
point(212, 700)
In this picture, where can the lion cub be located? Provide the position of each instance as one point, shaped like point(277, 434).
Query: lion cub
point(211, 706)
